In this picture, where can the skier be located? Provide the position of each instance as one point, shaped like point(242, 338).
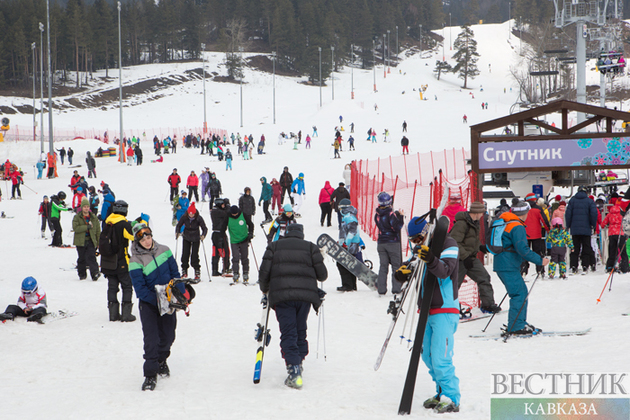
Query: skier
point(113, 246)
point(265, 198)
point(404, 126)
point(74, 181)
point(16, 180)
point(87, 232)
point(45, 208)
point(291, 288)
point(91, 165)
point(404, 142)
point(182, 205)
point(188, 227)
point(40, 165)
point(241, 231)
point(228, 160)
point(308, 142)
point(153, 264)
point(437, 344)
point(173, 181)
point(213, 189)
point(192, 183)
point(352, 127)
point(337, 146)
point(350, 239)
point(30, 304)
point(325, 196)
point(616, 240)
point(247, 204)
point(220, 246)
point(279, 226)
point(466, 233)
point(57, 206)
point(389, 224)
point(286, 181)
point(275, 198)
point(205, 179)
point(298, 192)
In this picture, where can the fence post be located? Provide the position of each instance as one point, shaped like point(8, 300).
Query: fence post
point(391, 169)
point(382, 181)
point(372, 206)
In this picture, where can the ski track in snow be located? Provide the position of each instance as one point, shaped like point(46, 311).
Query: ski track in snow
point(87, 367)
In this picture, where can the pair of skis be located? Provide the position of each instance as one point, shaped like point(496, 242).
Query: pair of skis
point(263, 338)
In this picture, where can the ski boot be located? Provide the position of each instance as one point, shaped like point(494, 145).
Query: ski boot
point(96, 276)
point(149, 383)
point(184, 273)
point(164, 370)
point(197, 274)
point(35, 317)
point(294, 380)
point(43, 234)
point(446, 406)
point(491, 309)
point(6, 317)
point(431, 402)
point(246, 278)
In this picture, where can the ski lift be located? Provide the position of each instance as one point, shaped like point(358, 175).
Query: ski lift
point(611, 62)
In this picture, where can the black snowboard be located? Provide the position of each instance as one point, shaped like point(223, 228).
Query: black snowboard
point(436, 245)
point(343, 257)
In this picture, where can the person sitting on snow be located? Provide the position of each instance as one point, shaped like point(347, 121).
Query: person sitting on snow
point(30, 304)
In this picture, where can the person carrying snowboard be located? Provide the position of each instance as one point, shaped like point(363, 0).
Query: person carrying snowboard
point(188, 227)
point(30, 304)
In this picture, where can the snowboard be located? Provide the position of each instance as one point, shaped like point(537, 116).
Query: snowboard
point(541, 334)
point(429, 281)
point(343, 257)
point(56, 316)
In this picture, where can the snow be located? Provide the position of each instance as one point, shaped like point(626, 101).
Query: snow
point(88, 367)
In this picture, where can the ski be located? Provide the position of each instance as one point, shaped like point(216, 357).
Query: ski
point(343, 257)
point(474, 318)
point(429, 281)
point(540, 334)
point(263, 338)
point(56, 316)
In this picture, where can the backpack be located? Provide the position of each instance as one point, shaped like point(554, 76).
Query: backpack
point(108, 248)
point(494, 233)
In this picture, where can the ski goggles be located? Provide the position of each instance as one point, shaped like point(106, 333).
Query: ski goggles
point(143, 233)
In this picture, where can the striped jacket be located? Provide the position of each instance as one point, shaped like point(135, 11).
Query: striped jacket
point(150, 267)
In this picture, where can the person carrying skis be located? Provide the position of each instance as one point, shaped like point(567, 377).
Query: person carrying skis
point(220, 245)
point(44, 211)
point(114, 248)
point(297, 193)
point(508, 264)
point(188, 227)
point(559, 239)
point(192, 183)
point(286, 180)
point(289, 272)
point(466, 233)
point(153, 264)
point(173, 181)
point(87, 232)
point(389, 224)
point(205, 179)
point(275, 197)
point(438, 341)
point(55, 214)
point(350, 239)
point(30, 304)
point(241, 231)
point(265, 199)
point(279, 226)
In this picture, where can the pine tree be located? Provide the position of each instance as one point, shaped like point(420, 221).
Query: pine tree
point(466, 55)
point(441, 67)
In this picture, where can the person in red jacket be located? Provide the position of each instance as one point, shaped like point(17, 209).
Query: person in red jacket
point(616, 240)
point(535, 224)
point(130, 155)
point(74, 181)
point(173, 181)
point(76, 199)
point(454, 206)
point(192, 183)
point(16, 180)
point(275, 198)
point(325, 195)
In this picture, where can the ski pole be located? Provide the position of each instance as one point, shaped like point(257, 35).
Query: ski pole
point(321, 326)
point(29, 188)
point(176, 245)
point(254, 255)
point(610, 276)
point(205, 256)
point(521, 309)
point(492, 317)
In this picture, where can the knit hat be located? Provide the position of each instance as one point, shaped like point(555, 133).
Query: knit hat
point(295, 226)
point(540, 201)
point(287, 207)
point(563, 203)
point(85, 202)
point(234, 210)
point(477, 207)
point(192, 209)
point(530, 196)
point(521, 208)
point(558, 197)
point(556, 221)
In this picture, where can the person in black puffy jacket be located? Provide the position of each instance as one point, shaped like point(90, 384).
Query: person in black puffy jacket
point(188, 227)
point(581, 221)
point(291, 288)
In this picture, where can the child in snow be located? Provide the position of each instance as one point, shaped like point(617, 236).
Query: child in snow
point(350, 239)
point(559, 239)
point(31, 303)
point(181, 205)
point(279, 226)
point(44, 211)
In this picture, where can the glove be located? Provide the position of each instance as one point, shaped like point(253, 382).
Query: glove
point(402, 274)
point(259, 204)
point(426, 255)
point(263, 301)
point(362, 246)
point(249, 237)
point(202, 237)
point(469, 262)
point(483, 249)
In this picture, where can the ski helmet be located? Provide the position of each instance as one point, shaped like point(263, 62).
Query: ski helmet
point(218, 202)
point(61, 195)
point(344, 204)
point(120, 207)
point(29, 285)
point(417, 227)
point(385, 199)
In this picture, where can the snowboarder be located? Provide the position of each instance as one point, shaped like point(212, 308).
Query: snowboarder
point(87, 232)
point(188, 227)
point(30, 304)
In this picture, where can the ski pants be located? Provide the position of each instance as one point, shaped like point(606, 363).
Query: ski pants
point(539, 247)
point(56, 240)
point(193, 190)
point(92, 173)
point(339, 217)
point(582, 247)
point(479, 275)
point(159, 334)
point(46, 222)
point(14, 188)
point(265, 206)
point(616, 249)
point(296, 200)
point(240, 253)
point(388, 255)
point(326, 213)
point(517, 290)
point(437, 354)
point(286, 190)
point(174, 193)
point(17, 311)
point(558, 258)
point(292, 319)
point(51, 172)
point(275, 202)
point(349, 280)
point(123, 280)
point(87, 259)
point(190, 251)
point(220, 249)
point(204, 192)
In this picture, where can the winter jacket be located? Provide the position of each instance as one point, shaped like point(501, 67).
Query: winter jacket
point(614, 219)
point(192, 181)
point(240, 228)
point(219, 219)
point(298, 185)
point(191, 227)
point(90, 162)
point(267, 191)
point(106, 208)
point(339, 194)
point(404, 141)
point(57, 206)
point(151, 267)
point(214, 186)
point(76, 200)
point(560, 212)
point(290, 270)
point(277, 188)
point(16, 178)
point(581, 214)
point(466, 233)
point(174, 180)
point(247, 204)
point(558, 237)
point(121, 236)
point(349, 232)
point(279, 227)
point(94, 202)
point(325, 194)
point(536, 221)
point(286, 179)
point(515, 245)
point(74, 181)
point(450, 211)
point(181, 207)
point(81, 228)
point(33, 300)
point(45, 209)
point(389, 224)
point(205, 178)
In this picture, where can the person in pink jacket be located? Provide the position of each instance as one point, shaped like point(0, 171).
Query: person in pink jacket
point(277, 194)
point(559, 212)
point(192, 183)
point(453, 207)
point(325, 197)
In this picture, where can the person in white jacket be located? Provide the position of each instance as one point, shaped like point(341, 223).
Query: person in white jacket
point(31, 303)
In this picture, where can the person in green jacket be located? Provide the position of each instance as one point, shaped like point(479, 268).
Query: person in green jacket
point(87, 232)
point(265, 198)
point(241, 231)
point(55, 213)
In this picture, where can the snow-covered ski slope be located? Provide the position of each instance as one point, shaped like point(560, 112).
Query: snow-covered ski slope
point(88, 367)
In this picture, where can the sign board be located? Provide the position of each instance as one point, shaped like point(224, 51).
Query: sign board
point(538, 190)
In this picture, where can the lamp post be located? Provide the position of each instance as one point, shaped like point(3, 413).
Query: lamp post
point(396, 43)
point(120, 106)
point(203, 56)
point(389, 63)
point(420, 38)
point(241, 66)
point(51, 147)
point(443, 39)
point(374, 63)
point(384, 65)
point(351, 71)
point(320, 75)
point(33, 45)
point(450, 31)
point(41, 85)
point(274, 86)
point(332, 70)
